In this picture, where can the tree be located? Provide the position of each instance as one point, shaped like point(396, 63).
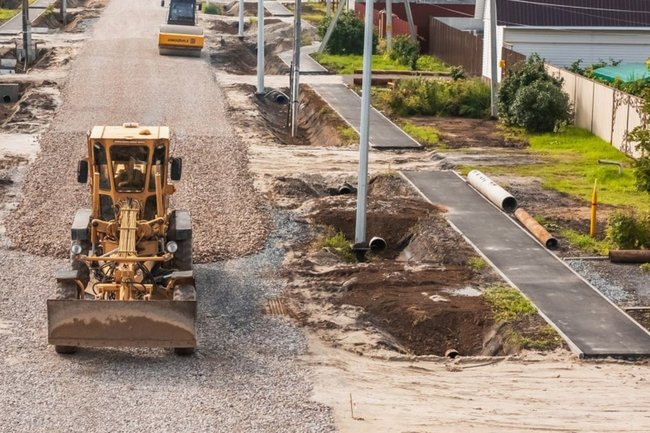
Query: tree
point(641, 135)
point(347, 36)
point(532, 99)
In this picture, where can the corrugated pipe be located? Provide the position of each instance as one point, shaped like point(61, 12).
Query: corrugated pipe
point(492, 191)
point(536, 229)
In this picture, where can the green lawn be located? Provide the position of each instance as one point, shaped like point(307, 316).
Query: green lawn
point(311, 12)
point(347, 64)
point(568, 162)
point(6, 14)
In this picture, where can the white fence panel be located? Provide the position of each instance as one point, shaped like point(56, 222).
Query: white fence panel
point(603, 104)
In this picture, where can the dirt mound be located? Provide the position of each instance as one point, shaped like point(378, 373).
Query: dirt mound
point(231, 28)
point(420, 308)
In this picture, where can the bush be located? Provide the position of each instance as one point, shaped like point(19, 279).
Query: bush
point(641, 135)
point(406, 51)
point(465, 98)
point(627, 231)
point(530, 98)
point(212, 9)
point(540, 107)
point(347, 37)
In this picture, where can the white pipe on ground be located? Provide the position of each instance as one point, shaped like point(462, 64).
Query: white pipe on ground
point(492, 191)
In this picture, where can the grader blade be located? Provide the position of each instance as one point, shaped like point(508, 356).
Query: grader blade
point(93, 323)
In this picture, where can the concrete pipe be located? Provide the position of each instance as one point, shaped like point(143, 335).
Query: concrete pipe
point(492, 191)
point(536, 229)
point(377, 244)
point(346, 188)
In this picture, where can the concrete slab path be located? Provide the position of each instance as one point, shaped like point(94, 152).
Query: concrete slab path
point(384, 134)
point(277, 9)
point(15, 25)
point(591, 324)
point(308, 65)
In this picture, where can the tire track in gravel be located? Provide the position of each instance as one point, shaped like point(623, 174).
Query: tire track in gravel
point(120, 77)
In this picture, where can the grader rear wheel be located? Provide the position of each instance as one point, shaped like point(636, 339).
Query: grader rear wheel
point(66, 290)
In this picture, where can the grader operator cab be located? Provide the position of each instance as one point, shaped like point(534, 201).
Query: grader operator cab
point(130, 282)
point(180, 35)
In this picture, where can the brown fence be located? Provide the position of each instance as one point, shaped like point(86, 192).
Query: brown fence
point(456, 47)
point(511, 59)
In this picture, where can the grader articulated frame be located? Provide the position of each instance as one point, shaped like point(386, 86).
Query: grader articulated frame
point(130, 282)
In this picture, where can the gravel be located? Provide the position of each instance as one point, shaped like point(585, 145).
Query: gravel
point(246, 374)
point(244, 377)
point(607, 286)
point(154, 90)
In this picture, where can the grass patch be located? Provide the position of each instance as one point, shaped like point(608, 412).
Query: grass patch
point(543, 339)
point(425, 135)
point(341, 245)
point(313, 13)
point(508, 304)
point(568, 163)
point(348, 135)
point(346, 64)
point(585, 242)
point(212, 9)
point(477, 264)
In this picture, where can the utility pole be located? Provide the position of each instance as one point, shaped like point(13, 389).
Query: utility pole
point(409, 18)
point(362, 191)
point(64, 11)
point(241, 20)
point(260, 47)
point(295, 81)
point(328, 8)
point(494, 76)
point(389, 25)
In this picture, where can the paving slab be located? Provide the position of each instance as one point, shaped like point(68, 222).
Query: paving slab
point(384, 134)
point(307, 64)
point(15, 25)
point(277, 9)
point(591, 324)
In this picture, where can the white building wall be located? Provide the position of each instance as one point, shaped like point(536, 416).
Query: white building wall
point(562, 47)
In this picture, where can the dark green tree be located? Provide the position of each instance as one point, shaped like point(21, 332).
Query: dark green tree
point(347, 36)
point(531, 98)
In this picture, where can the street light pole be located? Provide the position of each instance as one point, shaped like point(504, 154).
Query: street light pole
point(389, 25)
point(362, 190)
point(295, 91)
point(27, 32)
point(494, 76)
point(241, 20)
point(260, 47)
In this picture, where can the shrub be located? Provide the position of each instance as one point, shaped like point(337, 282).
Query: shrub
point(627, 231)
point(641, 135)
point(212, 9)
point(530, 98)
point(466, 98)
point(540, 106)
point(347, 37)
point(406, 51)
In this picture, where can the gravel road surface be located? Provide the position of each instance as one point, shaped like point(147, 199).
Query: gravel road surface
point(245, 376)
point(119, 77)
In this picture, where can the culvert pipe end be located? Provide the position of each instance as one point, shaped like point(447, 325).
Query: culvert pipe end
point(377, 244)
point(451, 353)
point(492, 191)
point(552, 244)
point(345, 189)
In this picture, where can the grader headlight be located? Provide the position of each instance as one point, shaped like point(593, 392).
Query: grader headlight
point(76, 248)
point(171, 247)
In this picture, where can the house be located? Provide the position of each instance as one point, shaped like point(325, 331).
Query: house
point(563, 31)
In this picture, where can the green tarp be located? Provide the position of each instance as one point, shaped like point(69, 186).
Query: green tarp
point(626, 73)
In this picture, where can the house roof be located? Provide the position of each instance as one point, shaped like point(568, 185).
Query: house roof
point(572, 13)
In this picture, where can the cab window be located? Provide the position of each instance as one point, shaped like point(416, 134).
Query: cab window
point(129, 167)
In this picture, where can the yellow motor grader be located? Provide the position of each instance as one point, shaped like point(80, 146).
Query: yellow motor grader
point(130, 280)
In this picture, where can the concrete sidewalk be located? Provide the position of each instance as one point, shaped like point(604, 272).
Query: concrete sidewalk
point(384, 134)
point(15, 25)
point(308, 65)
point(277, 9)
point(591, 324)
